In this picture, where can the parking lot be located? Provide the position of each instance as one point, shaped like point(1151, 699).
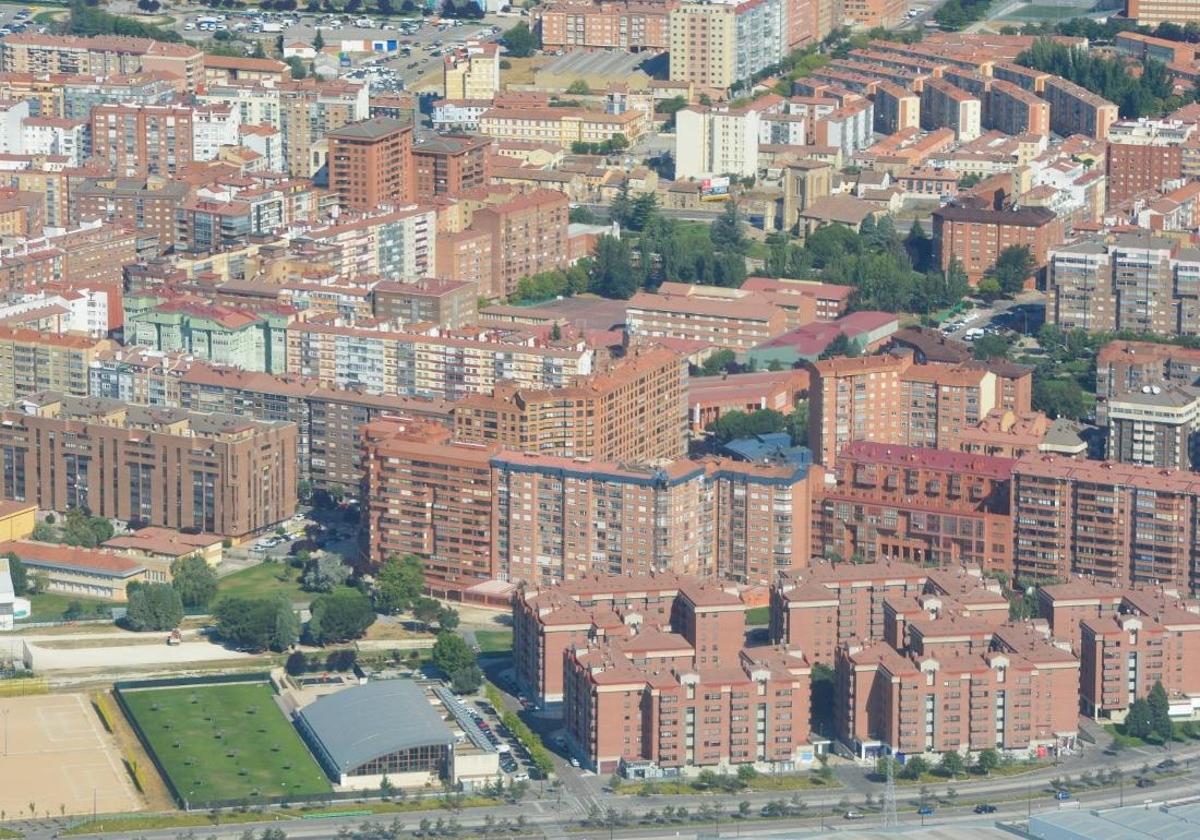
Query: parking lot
point(421, 45)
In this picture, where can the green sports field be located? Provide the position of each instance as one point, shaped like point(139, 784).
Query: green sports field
point(225, 742)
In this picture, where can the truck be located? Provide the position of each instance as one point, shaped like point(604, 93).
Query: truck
point(272, 27)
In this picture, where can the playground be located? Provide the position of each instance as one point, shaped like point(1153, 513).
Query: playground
point(57, 758)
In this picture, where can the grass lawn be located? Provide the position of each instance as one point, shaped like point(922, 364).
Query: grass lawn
point(494, 641)
point(758, 616)
point(225, 742)
point(262, 581)
point(8, 833)
point(50, 606)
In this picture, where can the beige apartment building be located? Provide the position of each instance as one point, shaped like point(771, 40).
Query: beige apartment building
point(703, 39)
point(473, 73)
point(728, 318)
point(1154, 12)
point(31, 361)
point(560, 126)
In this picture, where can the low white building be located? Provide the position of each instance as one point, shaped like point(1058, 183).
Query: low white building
point(56, 136)
point(214, 126)
point(12, 136)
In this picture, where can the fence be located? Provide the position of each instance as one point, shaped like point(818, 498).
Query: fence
point(182, 682)
point(24, 687)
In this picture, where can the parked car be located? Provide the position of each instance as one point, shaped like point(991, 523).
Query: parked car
point(1145, 782)
point(854, 815)
point(574, 762)
point(1062, 795)
point(925, 810)
point(984, 808)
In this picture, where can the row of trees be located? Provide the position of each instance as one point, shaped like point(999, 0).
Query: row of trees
point(1150, 716)
point(889, 272)
point(1137, 95)
point(86, 20)
point(958, 14)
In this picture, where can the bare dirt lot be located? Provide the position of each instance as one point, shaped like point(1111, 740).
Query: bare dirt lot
point(57, 756)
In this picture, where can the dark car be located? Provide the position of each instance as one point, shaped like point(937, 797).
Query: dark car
point(984, 808)
point(1144, 782)
point(925, 810)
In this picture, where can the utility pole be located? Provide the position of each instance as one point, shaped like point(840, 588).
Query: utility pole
point(890, 819)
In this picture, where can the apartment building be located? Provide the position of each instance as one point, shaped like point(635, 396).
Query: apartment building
point(1131, 365)
point(143, 204)
point(220, 474)
point(906, 503)
point(945, 106)
point(707, 620)
point(371, 164)
point(31, 362)
point(816, 609)
point(560, 126)
point(1076, 110)
point(632, 26)
point(449, 304)
point(854, 399)
point(1015, 111)
point(716, 141)
point(472, 72)
point(1155, 426)
point(1015, 692)
point(632, 410)
point(1152, 637)
point(703, 40)
point(869, 14)
point(448, 366)
point(35, 52)
point(251, 340)
point(1154, 12)
point(448, 164)
point(140, 140)
point(1136, 282)
point(674, 696)
point(1145, 155)
point(731, 318)
point(896, 108)
point(1112, 522)
point(528, 235)
point(760, 28)
point(975, 235)
point(430, 497)
point(392, 243)
point(940, 402)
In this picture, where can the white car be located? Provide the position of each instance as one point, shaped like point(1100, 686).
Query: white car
point(574, 761)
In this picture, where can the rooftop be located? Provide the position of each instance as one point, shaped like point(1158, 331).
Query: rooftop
point(367, 721)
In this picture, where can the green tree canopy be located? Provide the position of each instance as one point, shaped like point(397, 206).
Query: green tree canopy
point(739, 424)
point(398, 582)
point(194, 580)
point(154, 606)
point(339, 616)
point(18, 573)
point(451, 653)
point(520, 41)
point(1013, 265)
point(257, 624)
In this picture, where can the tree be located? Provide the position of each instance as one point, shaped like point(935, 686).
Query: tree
point(1059, 398)
point(642, 211)
point(466, 680)
point(520, 41)
point(318, 42)
point(451, 653)
point(579, 88)
point(426, 610)
point(991, 347)
point(1160, 711)
point(339, 616)
point(257, 624)
point(1013, 266)
point(612, 274)
point(842, 345)
point(447, 619)
point(1139, 720)
point(919, 247)
point(726, 230)
point(18, 573)
point(722, 361)
point(194, 580)
point(44, 532)
point(324, 573)
point(154, 606)
point(952, 764)
point(297, 663)
point(746, 773)
point(914, 768)
point(737, 424)
point(987, 761)
point(299, 71)
point(398, 583)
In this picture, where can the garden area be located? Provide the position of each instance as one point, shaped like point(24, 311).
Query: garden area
point(224, 742)
point(745, 779)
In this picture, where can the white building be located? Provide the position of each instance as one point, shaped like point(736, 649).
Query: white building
point(12, 136)
point(214, 126)
point(459, 113)
point(56, 136)
point(268, 142)
point(716, 142)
